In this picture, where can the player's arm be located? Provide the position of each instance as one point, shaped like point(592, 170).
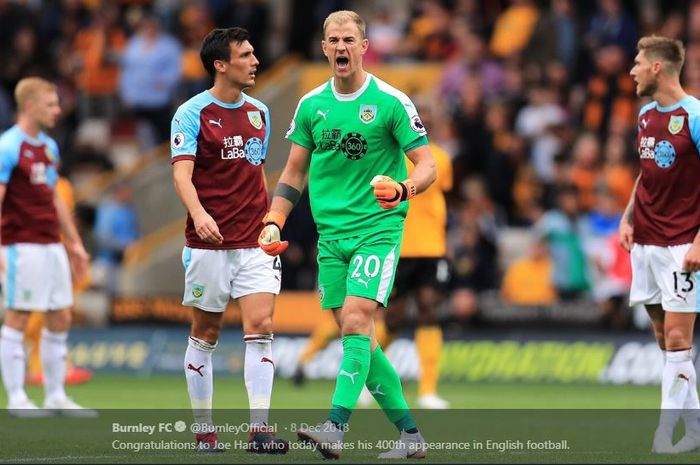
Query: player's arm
point(204, 224)
point(626, 229)
point(425, 170)
point(691, 261)
point(287, 194)
point(3, 189)
point(79, 258)
point(390, 193)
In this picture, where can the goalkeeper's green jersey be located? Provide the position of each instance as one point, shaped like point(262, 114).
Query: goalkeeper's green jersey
point(352, 138)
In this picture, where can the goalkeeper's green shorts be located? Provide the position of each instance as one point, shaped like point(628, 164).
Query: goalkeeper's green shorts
point(362, 266)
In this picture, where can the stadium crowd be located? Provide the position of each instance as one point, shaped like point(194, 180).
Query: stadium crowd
point(535, 106)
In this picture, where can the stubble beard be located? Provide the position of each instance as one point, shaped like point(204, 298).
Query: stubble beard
point(649, 90)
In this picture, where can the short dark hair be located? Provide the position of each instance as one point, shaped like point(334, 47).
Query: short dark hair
point(216, 46)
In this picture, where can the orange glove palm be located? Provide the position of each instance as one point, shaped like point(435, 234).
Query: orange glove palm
point(390, 193)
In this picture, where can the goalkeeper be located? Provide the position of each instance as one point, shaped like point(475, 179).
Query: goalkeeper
point(350, 135)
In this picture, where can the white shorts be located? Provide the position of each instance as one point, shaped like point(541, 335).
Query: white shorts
point(213, 276)
point(37, 277)
point(658, 278)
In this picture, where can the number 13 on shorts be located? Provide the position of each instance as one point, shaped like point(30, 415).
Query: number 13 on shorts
point(658, 278)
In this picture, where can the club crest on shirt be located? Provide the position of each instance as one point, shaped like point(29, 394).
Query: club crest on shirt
point(368, 113)
point(255, 119)
point(675, 124)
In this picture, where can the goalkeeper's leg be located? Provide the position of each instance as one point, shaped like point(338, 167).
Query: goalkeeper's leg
point(385, 385)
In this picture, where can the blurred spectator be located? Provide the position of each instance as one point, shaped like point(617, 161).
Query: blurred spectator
point(611, 25)
point(469, 63)
point(97, 48)
point(13, 17)
point(611, 95)
point(6, 111)
point(693, 21)
point(528, 281)
point(252, 15)
point(195, 22)
point(562, 228)
point(527, 194)
point(384, 31)
point(24, 57)
point(116, 227)
point(504, 164)
point(584, 171)
point(673, 26)
point(305, 32)
point(691, 69)
point(479, 207)
point(537, 122)
point(429, 35)
point(555, 36)
point(619, 175)
point(151, 69)
point(611, 270)
point(468, 120)
point(513, 28)
point(474, 259)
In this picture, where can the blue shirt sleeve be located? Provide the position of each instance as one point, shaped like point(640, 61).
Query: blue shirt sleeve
point(184, 130)
point(52, 171)
point(693, 109)
point(9, 155)
point(266, 112)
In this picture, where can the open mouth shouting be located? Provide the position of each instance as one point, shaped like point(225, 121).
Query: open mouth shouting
point(342, 63)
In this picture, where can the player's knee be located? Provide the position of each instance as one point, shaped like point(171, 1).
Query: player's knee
point(677, 338)
point(209, 334)
point(59, 321)
point(261, 325)
point(356, 323)
point(16, 319)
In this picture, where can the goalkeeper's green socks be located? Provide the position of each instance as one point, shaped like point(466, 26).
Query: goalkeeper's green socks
point(351, 377)
point(385, 385)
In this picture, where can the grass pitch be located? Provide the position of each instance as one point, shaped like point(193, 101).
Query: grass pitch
point(488, 423)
